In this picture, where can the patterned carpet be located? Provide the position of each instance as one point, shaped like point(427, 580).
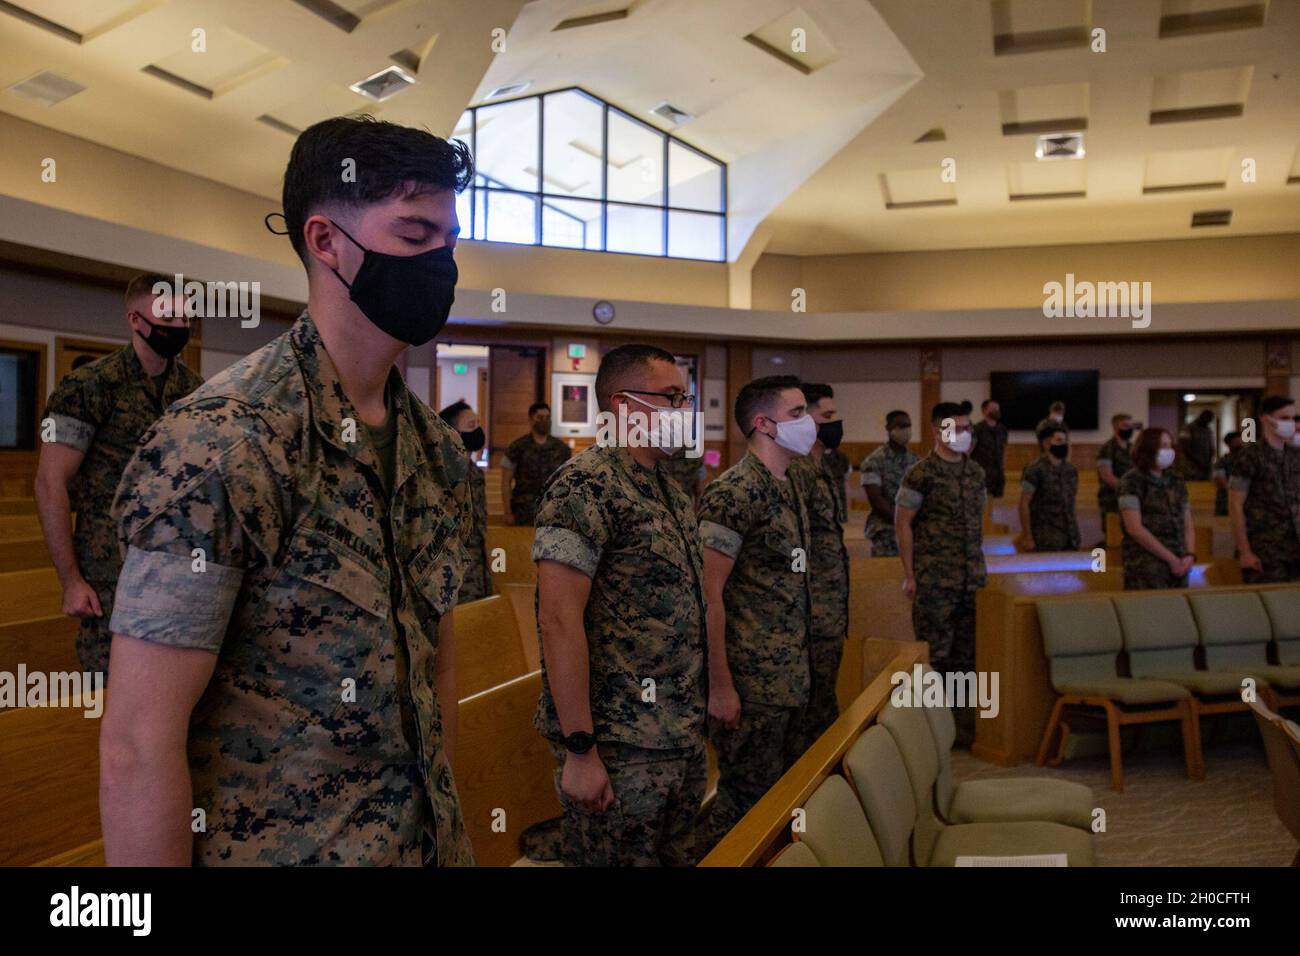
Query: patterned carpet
point(1164, 819)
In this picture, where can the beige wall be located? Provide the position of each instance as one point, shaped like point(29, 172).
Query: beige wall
point(1188, 270)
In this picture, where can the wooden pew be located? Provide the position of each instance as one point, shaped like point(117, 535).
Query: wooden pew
point(503, 764)
point(28, 595)
point(517, 543)
point(765, 829)
point(521, 601)
point(489, 650)
point(17, 506)
point(23, 554)
point(49, 783)
point(15, 526)
point(45, 644)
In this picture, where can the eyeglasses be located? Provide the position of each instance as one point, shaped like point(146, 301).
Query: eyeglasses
point(675, 399)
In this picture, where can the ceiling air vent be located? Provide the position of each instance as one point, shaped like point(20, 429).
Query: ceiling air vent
point(678, 117)
point(510, 89)
point(1211, 217)
point(588, 21)
point(936, 135)
point(1060, 146)
point(46, 88)
point(384, 84)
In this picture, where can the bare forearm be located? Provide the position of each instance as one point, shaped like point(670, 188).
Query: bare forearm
point(719, 669)
point(1237, 510)
point(1026, 525)
point(55, 512)
point(903, 531)
point(568, 669)
point(1189, 532)
point(879, 506)
point(1151, 543)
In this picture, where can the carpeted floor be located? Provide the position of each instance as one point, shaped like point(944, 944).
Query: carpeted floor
point(1164, 819)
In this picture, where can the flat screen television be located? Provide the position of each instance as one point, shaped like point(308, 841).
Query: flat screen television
point(19, 373)
point(1026, 396)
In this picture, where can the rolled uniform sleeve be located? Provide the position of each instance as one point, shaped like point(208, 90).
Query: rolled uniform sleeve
point(1243, 469)
point(870, 474)
point(75, 409)
point(724, 519)
point(1028, 482)
point(1127, 494)
point(911, 490)
point(572, 528)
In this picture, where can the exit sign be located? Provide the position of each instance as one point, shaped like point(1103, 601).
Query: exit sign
point(460, 368)
point(577, 350)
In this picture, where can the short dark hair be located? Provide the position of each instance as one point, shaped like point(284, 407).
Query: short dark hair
point(948, 410)
point(1047, 431)
point(389, 160)
point(1118, 417)
point(143, 285)
point(618, 363)
point(894, 416)
point(1058, 404)
point(453, 412)
point(1230, 436)
point(1272, 403)
point(1147, 447)
point(814, 392)
point(757, 396)
point(987, 402)
point(536, 407)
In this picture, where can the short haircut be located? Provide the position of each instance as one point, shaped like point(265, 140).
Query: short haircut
point(143, 285)
point(453, 412)
point(1272, 403)
point(757, 397)
point(987, 402)
point(1147, 447)
point(1117, 418)
point(622, 363)
point(1230, 436)
point(894, 416)
point(814, 392)
point(948, 410)
point(389, 160)
point(1047, 431)
point(1057, 406)
point(536, 407)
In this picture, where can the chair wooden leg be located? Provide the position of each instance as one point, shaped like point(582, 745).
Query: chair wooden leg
point(1296, 860)
point(1192, 753)
point(1116, 754)
point(1060, 750)
point(1051, 729)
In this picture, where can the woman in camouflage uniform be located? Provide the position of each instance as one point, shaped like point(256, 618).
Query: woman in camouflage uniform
point(477, 581)
point(1159, 538)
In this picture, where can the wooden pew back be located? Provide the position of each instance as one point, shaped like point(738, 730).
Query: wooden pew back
point(517, 543)
point(28, 595)
point(23, 554)
point(489, 650)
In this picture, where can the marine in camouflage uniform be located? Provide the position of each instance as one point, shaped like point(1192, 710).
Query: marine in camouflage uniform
point(1270, 479)
point(1223, 469)
point(1197, 443)
point(315, 577)
point(531, 463)
point(947, 556)
point(885, 467)
point(633, 531)
point(836, 464)
point(1162, 502)
point(101, 410)
point(828, 585)
point(1052, 519)
point(989, 452)
point(1119, 456)
point(759, 522)
point(476, 582)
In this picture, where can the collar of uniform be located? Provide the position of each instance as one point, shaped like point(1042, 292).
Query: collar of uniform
point(756, 464)
point(643, 478)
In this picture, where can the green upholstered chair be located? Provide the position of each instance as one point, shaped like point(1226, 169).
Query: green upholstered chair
point(1236, 632)
point(1082, 640)
point(1282, 748)
point(796, 854)
point(909, 832)
point(836, 830)
point(1283, 608)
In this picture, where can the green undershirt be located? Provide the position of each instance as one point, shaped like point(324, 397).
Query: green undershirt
point(383, 441)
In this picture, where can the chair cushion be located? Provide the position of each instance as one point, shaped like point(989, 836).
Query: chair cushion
point(1013, 839)
point(1281, 675)
point(1211, 682)
point(796, 854)
point(1127, 690)
point(837, 831)
point(1233, 618)
point(1079, 627)
point(1283, 608)
point(1154, 620)
point(876, 768)
point(1023, 798)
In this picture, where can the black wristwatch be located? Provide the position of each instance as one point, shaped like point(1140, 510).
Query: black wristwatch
point(579, 742)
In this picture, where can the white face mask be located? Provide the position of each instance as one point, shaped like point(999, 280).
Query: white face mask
point(1164, 458)
point(1284, 427)
point(669, 429)
point(798, 435)
point(1057, 418)
point(960, 443)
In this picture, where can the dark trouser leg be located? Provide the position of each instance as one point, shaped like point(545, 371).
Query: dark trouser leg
point(676, 843)
point(823, 705)
point(945, 619)
point(94, 638)
point(750, 759)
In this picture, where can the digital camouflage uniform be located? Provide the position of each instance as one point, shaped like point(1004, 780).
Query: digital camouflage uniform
point(947, 556)
point(476, 582)
point(885, 468)
point(836, 464)
point(318, 739)
point(687, 473)
point(101, 410)
point(1162, 502)
point(1197, 443)
point(633, 531)
point(1120, 459)
point(1052, 519)
point(1222, 469)
point(751, 517)
point(989, 452)
point(1271, 480)
point(828, 585)
point(532, 464)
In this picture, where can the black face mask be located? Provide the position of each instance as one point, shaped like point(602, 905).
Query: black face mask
point(409, 297)
point(1125, 433)
point(1060, 451)
point(473, 440)
point(830, 434)
point(167, 341)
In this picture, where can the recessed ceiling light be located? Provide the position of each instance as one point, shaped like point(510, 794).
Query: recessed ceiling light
point(46, 88)
point(384, 84)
